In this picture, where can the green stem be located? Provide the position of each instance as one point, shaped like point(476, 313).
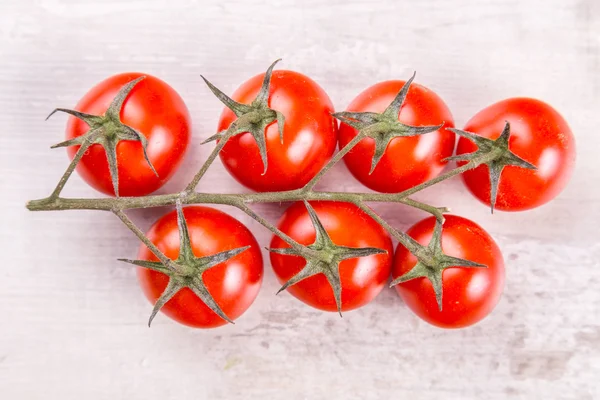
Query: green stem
point(125, 203)
point(402, 237)
point(437, 212)
point(192, 185)
point(159, 254)
point(302, 250)
point(453, 172)
point(63, 180)
point(340, 154)
point(53, 203)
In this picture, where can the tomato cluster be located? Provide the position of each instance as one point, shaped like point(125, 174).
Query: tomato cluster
point(277, 133)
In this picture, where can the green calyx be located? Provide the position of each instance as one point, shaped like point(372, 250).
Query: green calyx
point(493, 153)
point(385, 126)
point(186, 271)
point(432, 262)
point(253, 118)
point(107, 130)
point(325, 259)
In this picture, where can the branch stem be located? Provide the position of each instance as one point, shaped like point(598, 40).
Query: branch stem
point(192, 185)
point(302, 250)
point(339, 155)
point(437, 212)
point(453, 172)
point(159, 254)
point(54, 203)
point(63, 180)
point(401, 237)
point(125, 203)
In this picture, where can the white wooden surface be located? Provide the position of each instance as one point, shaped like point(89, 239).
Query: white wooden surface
point(74, 320)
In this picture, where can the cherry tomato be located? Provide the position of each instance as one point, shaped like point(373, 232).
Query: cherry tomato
point(154, 109)
point(539, 135)
point(469, 294)
point(234, 284)
point(309, 137)
point(407, 161)
point(361, 278)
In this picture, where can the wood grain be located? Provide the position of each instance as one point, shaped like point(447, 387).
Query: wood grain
point(73, 318)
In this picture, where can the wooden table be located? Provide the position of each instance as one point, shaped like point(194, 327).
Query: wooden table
point(73, 318)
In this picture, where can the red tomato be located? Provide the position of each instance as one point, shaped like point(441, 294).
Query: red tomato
point(234, 284)
point(540, 135)
point(469, 294)
point(407, 161)
point(309, 136)
point(361, 278)
point(154, 109)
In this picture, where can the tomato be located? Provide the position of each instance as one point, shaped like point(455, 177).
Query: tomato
point(407, 161)
point(309, 135)
point(469, 294)
point(361, 278)
point(539, 135)
point(154, 109)
point(234, 284)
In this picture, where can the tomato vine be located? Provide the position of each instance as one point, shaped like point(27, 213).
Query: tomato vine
point(107, 130)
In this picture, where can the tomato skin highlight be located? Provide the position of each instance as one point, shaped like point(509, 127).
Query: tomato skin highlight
point(153, 108)
point(469, 294)
point(407, 161)
point(309, 137)
point(362, 278)
point(234, 284)
point(539, 135)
